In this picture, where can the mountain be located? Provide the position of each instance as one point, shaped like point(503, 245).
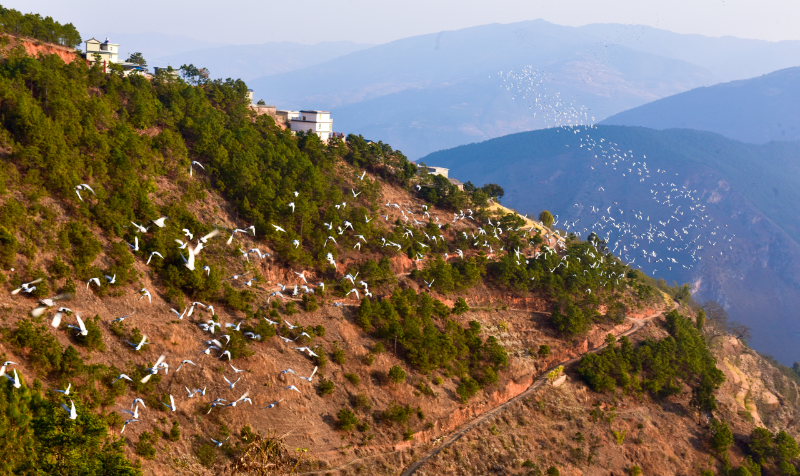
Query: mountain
point(440, 90)
point(138, 217)
point(154, 44)
point(756, 110)
point(253, 61)
point(737, 189)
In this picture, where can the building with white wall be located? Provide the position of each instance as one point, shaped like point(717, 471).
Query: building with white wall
point(107, 53)
point(318, 122)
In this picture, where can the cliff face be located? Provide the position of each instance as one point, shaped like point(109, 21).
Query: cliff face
point(36, 47)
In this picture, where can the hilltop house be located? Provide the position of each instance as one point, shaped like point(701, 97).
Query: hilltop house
point(436, 170)
point(107, 53)
point(318, 122)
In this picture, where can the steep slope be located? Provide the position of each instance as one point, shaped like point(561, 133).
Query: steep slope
point(254, 61)
point(747, 191)
point(290, 254)
point(435, 91)
point(756, 110)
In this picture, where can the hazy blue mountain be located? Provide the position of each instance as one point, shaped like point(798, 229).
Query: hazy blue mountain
point(152, 44)
point(754, 110)
point(435, 91)
point(747, 190)
point(252, 61)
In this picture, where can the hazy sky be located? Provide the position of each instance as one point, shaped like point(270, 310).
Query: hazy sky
point(371, 21)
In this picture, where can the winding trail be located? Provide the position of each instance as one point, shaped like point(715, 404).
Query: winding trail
point(638, 324)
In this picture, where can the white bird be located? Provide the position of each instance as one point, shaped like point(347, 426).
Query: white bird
point(179, 314)
point(81, 328)
point(140, 344)
point(135, 246)
point(291, 204)
point(355, 195)
point(292, 387)
point(231, 385)
point(140, 228)
point(145, 292)
point(273, 404)
point(207, 269)
point(236, 327)
point(277, 228)
point(159, 222)
point(235, 370)
point(306, 349)
point(122, 376)
point(71, 410)
point(185, 362)
point(93, 280)
point(134, 413)
point(154, 253)
point(310, 376)
point(171, 406)
point(57, 318)
point(194, 162)
point(289, 325)
point(362, 175)
point(429, 284)
point(219, 443)
point(83, 186)
point(288, 371)
point(14, 381)
point(228, 353)
point(188, 233)
point(207, 237)
point(128, 422)
point(302, 276)
point(65, 392)
point(26, 286)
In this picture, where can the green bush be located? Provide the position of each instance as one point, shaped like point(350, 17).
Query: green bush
point(94, 339)
point(347, 420)
point(544, 351)
point(352, 378)
point(175, 432)
point(398, 414)
point(206, 454)
point(362, 402)
point(396, 374)
point(460, 306)
point(339, 356)
point(467, 388)
point(310, 303)
point(326, 387)
point(144, 447)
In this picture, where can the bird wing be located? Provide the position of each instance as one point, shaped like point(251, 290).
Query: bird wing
point(80, 323)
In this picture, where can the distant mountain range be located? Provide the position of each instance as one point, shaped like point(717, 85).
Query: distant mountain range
point(755, 110)
point(440, 90)
point(745, 193)
point(252, 61)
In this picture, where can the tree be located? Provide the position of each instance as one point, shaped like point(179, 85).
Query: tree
point(700, 321)
point(546, 218)
point(493, 190)
point(137, 58)
point(740, 331)
point(397, 374)
point(347, 420)
point(721, 437)
point(760, 445)
point(544, 351)
point(461, 306)
point(716, 316)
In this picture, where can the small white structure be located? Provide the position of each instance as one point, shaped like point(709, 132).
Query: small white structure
point(318, 122)
point(436, 170)
point(250, 95)
point(107, 53)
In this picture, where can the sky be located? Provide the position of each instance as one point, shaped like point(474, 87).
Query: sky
point(375, 22)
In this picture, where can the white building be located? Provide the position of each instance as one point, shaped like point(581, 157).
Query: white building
point(107, 53)
point(318, 122)
point(436, 170)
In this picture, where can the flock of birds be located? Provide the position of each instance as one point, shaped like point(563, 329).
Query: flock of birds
point(675, 230)
point(415, 224)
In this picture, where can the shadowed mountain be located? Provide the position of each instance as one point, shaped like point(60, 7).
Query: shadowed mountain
point(725, 211)
point(754, 110)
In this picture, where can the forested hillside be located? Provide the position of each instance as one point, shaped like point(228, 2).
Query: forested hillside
point(741, 219)
point(157, 236)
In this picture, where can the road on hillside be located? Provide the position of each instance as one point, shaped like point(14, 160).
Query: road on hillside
point(638, 324)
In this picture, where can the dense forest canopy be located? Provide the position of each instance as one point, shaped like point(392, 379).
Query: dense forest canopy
point(33, 25)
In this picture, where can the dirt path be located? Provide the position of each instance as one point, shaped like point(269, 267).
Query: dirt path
point(638, 324)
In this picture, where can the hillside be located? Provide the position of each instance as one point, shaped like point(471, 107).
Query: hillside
point(325, 307)
point(756, 110)
point(733, 185)
point(436, 91)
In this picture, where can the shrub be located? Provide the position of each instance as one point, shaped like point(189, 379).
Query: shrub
point(369, 359)
point(378, 348)
point(144, 447)
point(553, 471)
point(326, 387)
point(547, 219)
point(94, 339)
point(321, 360)
point(362, 402)
point(291, 308)
point(347, 420)
point(460, 306)
point(397, 374)
point(544, 351)
point(175, 432)
point(467, 388)
point(438, 380)
point(310, 303)
point(320, 330)
point(398, 413)
point(636, 471)
point(352, 378)
point(721, 437)
point(339, 356)
point(206, 454)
